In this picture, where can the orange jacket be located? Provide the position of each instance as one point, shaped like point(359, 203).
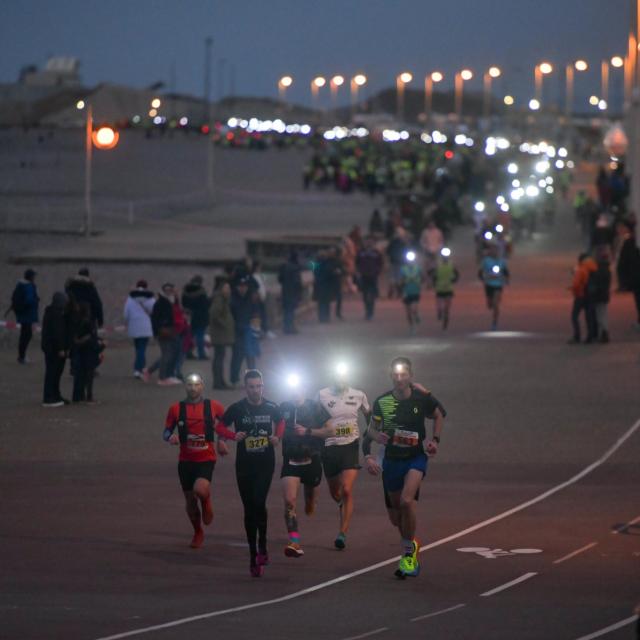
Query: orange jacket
point(581, 277)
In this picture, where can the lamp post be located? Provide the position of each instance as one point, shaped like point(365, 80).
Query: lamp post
point(357, 81)
point(401, 80)
point(316, 84)
point(541, 70)
point(104, 137)
point(632, 116)
point(571, 68)
point(334, 84)
point(435, 76)
point(489, 76)
point(460, 78)
point(283, 84)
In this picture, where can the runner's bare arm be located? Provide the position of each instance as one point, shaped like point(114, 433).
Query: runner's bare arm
point(438, 422)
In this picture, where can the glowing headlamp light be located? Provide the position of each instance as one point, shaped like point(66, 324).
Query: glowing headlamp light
point(342, 369)
point(194, 378)
point(495, 269)
point(445, 252)
point(293, 380)
point(488, 235)
point(499, 228)
point(411, 256)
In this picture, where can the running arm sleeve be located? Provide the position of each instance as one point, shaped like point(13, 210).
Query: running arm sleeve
point(280, 429)
point(224, 432)
point(166, 434)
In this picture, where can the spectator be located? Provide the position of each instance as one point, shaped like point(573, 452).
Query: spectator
point(56, 341)
point(431, 241)
point(369, 262)
point(221, 329)
point(137, 316)
point(599, 287)
point(24, 303)
point(81, 288)
point(628, 269)
point(336, 273)
point(85, 352)
point(196, 302)
point(322, 285)
point(245, 313)
point(261, 298)
point(396, 250)
point(290, 279)
point(581, 301)
point(164, 330)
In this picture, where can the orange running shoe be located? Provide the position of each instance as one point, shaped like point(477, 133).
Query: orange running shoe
point(207, 511)
point(198, 539)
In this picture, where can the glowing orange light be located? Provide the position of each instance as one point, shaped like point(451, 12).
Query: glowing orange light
point(105, 137)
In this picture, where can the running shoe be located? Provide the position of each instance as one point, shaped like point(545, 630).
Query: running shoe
point(262, 558)
point(146, 376)
point(207, 511)
point(59, 403)
point(293, 550)
point(256, 570)
point(409, 565)
point(341, 541)
point(197, 540)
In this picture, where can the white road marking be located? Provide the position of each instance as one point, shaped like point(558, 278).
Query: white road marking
point(384, 563)
point(626, 526)
point(575, 553)
point(502, 587)
point(437, 613)
point(613, 627)
point(368, 634)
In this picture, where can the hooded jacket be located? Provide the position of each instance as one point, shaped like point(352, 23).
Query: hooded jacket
point(56, 327)
point(137, 313)
point(195, 299)
point(82, 289)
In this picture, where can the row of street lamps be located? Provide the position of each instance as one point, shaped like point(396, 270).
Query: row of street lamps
point(402, 79)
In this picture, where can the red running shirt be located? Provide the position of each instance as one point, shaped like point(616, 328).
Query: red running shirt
point(196, 449)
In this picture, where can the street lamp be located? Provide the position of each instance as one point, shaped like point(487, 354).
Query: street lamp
point(578, 65)
point(104, 137)
point(435, 76)
point(283, 84)
point(404, 78)
point(489, 76)
point(541, 70)
point(334, 84)
point(357, 81)
point(460, 77)
point(316, 84)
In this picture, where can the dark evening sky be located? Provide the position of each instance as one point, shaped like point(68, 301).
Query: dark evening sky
point(138, 42)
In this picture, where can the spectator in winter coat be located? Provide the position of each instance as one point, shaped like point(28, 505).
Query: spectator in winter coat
point(164, 330)
point(56, 340)
point(137, 316)
point(196, 302)
point(81, 288)
point(86, 349)
point(290, 278)
point(581, 300)
point(221, 329)
point(246, 318)
point(24, 303)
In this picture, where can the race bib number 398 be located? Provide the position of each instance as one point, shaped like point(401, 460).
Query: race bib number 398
point(344, 430)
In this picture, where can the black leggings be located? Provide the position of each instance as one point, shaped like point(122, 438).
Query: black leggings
point(254, 488)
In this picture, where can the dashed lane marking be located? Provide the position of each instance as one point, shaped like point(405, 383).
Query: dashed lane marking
point(575, 553)
point(508, 585)
point(613, 627)
point(438, 613)
point(368, 634)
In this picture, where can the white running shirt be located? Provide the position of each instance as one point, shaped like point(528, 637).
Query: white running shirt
point(343, 407)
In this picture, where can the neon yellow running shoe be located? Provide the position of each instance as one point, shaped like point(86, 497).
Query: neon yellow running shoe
point(409, 565)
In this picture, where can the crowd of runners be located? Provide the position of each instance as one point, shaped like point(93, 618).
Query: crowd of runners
point(318, 435)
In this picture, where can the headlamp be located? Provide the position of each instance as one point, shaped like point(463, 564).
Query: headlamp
point(342, 369)
point(488, 235)
point(194, 378)
point(293, 380)
point(495, 268)
point(445, 252)
point(411, 256)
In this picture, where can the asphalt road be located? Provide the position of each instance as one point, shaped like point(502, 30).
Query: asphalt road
point(540, 452)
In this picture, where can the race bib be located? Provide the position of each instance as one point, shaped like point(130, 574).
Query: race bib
point(345, 429)
point(196, 442)
point(256, 444)
point(403, 438)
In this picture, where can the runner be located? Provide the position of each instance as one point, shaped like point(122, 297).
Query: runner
point(305, 430)
point(443, 276)
point(398, 423)
point(340, 453)
point(495, 274)
point(258, 429)
point(411, 282)
point(194, 417)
